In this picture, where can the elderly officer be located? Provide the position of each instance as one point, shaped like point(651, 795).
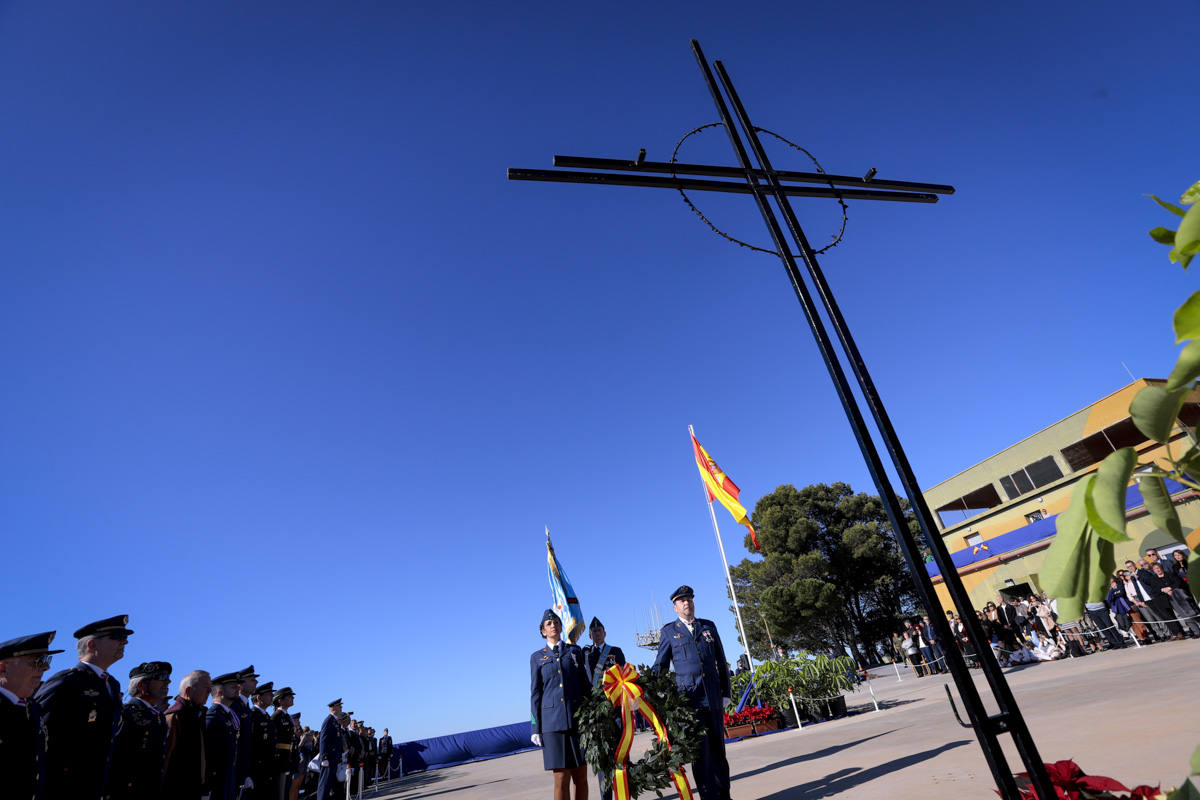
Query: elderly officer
point(329, 751)
point(557, 686)
point(600, 656)
point(221, 729)
point(140, 747)
point(23, 661)
point(262, 743)
point(702, 674)
point(80, 708)
point(184, 772)
point(283, 733)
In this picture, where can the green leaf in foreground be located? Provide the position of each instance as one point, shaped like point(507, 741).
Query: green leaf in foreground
point(1187, 319)
point(1187, 791)
point(1105, 496)
point(1196, 761)
point(1158, 503)
point(1174, 209)
point(1066, 554)
point(1192, 195)
point(1154, 411)
point(1163, 235)
point(1187, 367)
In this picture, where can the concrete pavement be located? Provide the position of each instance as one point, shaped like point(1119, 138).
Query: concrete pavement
point(1129, 714)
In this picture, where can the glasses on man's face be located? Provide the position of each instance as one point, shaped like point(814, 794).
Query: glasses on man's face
point(42, 661)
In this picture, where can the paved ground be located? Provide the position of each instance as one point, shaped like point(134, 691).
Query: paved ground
point(1130, 714)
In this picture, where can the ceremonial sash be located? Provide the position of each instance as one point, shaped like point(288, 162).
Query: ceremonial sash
point(598, 672)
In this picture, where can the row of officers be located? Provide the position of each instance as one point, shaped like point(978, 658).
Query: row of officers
point(71, 737)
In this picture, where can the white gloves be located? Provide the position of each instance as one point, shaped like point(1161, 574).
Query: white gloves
point(325, 763)
point(536, 739)
point(725, 701)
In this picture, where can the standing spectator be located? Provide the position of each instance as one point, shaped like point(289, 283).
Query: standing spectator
point(80, 708)
point(1119, 605)
point(1010, 628)
point(184, 773)
point(240, 706)
point(1176, 592)
point(23, 661)
point(1179, 564)
point(935, 646)
point(912, 653)
point(1045, 616)
point(1098, 614)
point(1139, 596)
point(1159, 588)
point(221, 728)
point(140, 746)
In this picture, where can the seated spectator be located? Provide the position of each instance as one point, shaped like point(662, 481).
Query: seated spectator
point(1048, 650)
point(1023, 655)
point(1119, 605)
point(1180, 601)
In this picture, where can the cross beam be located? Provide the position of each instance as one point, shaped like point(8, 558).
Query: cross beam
point(767, 184)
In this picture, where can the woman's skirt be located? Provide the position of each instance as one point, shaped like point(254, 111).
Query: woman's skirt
point(560, 750)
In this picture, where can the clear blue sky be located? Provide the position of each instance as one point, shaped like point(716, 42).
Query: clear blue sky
point(294, 376)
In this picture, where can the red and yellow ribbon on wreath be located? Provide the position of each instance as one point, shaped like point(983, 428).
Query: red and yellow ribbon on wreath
point(622, 690)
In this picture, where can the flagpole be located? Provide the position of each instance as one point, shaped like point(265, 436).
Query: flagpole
point(729, 579)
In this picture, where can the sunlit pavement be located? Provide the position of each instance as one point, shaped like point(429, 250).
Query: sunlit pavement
point(1129, 714)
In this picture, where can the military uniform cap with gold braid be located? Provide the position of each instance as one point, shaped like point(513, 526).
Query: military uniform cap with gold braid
point(35, 644)
point(113, 626)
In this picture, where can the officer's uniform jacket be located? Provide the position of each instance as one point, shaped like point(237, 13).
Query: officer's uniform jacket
point(283, 733)
point(385, 752)
point(331, 743)
point(22, 750)
point(701, 671)
point(557, 686)
point(245, 750)
point(139, 749)
point(220, 752)
point(262, 749)
point(614, 657)
point(354, 745)
point(81, 711)
point(185, 772)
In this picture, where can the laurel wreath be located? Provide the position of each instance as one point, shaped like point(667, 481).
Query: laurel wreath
point(599, 726)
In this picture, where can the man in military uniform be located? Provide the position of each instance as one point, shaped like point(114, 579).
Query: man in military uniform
point(372, 753)
point(81, 707)
point(241, 705)
point(385, 754)
point(262, 737)
point(221, 727)
point(702, 674)
point(329, 752)
point(283, 734)
point(185, 771)
point(23, 661)
point(140, 746)
point(599, 656)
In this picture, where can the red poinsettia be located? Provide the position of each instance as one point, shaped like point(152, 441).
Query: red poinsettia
point(749, 715)
point(1070, 783)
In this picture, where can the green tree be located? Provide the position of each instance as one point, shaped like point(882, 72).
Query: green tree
point(831, 575)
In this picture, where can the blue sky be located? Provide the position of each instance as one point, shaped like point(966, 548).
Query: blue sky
point(294, 376)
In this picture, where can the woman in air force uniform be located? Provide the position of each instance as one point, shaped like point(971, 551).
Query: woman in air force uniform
point(557, 686)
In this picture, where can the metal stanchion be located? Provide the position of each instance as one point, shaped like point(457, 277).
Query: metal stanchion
point(795, 709)
point(871, 689)
point(897, 667)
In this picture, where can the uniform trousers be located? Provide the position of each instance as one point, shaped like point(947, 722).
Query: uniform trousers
point(328, 785)
point(711, 768)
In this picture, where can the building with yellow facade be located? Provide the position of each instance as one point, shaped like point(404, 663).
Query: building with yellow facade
point(997, 517)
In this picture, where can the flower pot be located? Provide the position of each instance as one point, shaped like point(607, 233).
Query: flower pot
point(738, 731)
point(771, 724)
point(789, 717)
point(833, 708)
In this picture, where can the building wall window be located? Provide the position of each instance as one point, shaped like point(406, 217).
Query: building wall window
point(969, 505)
point(974, 540)
point(1035, 475)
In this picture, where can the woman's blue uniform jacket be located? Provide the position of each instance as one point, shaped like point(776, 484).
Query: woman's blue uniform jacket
point(557, 686)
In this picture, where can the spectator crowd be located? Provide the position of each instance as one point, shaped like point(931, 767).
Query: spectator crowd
point(1148, 601)
point(223, 737)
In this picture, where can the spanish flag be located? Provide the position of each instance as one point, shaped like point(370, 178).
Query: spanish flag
point(719, 487)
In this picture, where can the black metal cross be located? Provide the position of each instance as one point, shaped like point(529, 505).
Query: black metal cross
point(766, 183)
